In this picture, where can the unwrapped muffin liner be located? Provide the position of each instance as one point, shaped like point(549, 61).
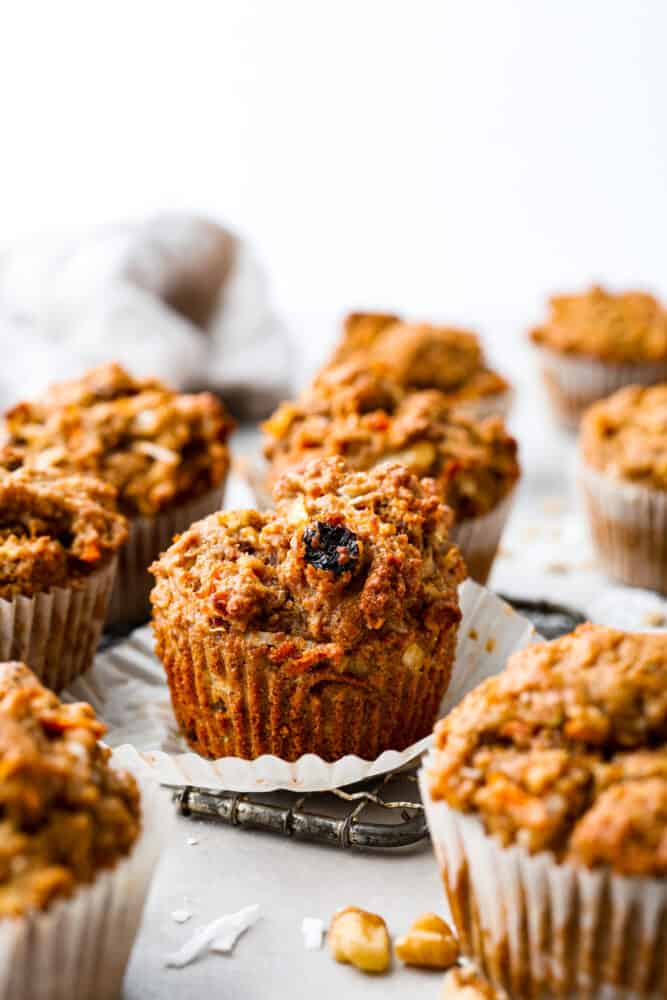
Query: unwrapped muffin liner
point(78, 948)
point(127, 688)
point(57, 632)
point(575, 382)
point(539, 928)
point(629, 528)
point(147, 538)
point(478, 538)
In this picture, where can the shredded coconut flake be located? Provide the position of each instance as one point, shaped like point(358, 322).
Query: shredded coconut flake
point(312, 929)
point(220, 935)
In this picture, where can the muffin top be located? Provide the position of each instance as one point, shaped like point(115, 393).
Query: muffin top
point(625, 436)
point(65, 813)
point(343, 556)
point(54, 530)
point(566, 750)
point(420, 355)
point(624, 327)
point(157, 447)
point(474, 463)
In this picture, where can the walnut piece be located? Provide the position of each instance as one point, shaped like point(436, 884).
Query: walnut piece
point(429, 943)
point(361, 939)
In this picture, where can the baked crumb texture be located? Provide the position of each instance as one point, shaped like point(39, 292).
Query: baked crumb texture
point(625, 436)
point(65, 814)
point(420, 355)
point(326, 625)
point(620, 328)
point(54, 530)
point(565, 751)
point(157, 447)
point(361, 415)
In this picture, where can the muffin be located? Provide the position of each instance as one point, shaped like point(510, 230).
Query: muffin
point(623, 472)
point(326, 626)
point(425, 356)
point(597, 342)
point(164, 452)
point(546, 796)
point(368, 420)
point(77, 850)
point(59, 536)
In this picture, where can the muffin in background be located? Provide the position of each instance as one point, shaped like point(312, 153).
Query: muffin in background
point(59, 538)
point(325, 626)
point(165, 453)
point(364, 417)
point(78, 847)
point(623, 472)
point(595, 342)
point(426, 356)
point(546, 797)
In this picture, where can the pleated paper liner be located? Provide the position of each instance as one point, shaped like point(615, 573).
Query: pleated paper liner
point(148, 537)
point(57, 632)
point(628, 524)
point(478, 538)
point(537, 928)
point(574, 383)
point(78, 948)
point(128, 689)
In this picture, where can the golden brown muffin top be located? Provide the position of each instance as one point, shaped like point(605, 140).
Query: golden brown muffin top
point(624, 327)
point(420, 355)
point(566, 750)
point(54, 530)
point(474, 463)
point(625, 436)
point(157, 447)
point(342, 556)
point(65, 814)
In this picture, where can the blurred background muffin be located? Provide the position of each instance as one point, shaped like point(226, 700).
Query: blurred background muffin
point(164, 452)
point(594, 342)
point(325, 626)
point(623, 472)
point(546, 796)
point(59, 539)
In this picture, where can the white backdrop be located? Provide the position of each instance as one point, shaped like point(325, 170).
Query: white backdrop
point(451, 158)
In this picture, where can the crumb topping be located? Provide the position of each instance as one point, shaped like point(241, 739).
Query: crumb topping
point(342, 556)
point(157, 447)
point(474, 464)
point(54, 530)
point(566, 750)
point(65, 814)
point(625, 436)
point(624, 327)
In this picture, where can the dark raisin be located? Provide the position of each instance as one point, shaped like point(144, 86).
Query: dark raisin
point(331, 547)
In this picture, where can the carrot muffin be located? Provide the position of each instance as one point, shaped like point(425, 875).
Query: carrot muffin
point(425, 356)
point(546, 795)
point(72, 860)
point(596, 342)
point(59, 536)
point(474, 464)
point(624, 477)
point(164, 452)
point(327, 625)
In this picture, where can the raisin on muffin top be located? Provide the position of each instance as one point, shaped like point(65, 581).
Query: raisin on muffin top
point(54, 530)
point(65, 814)
point(343, 555)
point(625, 327)
point(156, 446)
point(566, 751)
point(474, 463)
point(625, 436)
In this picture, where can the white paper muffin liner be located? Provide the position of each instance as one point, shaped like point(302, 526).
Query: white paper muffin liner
point(542, 929)
point(128, 690)
point(628, 525)
point(56, 633)
point(574, 382)
point(78, 949)
point(478, 538)
point(147, 538)
point(499, 404)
